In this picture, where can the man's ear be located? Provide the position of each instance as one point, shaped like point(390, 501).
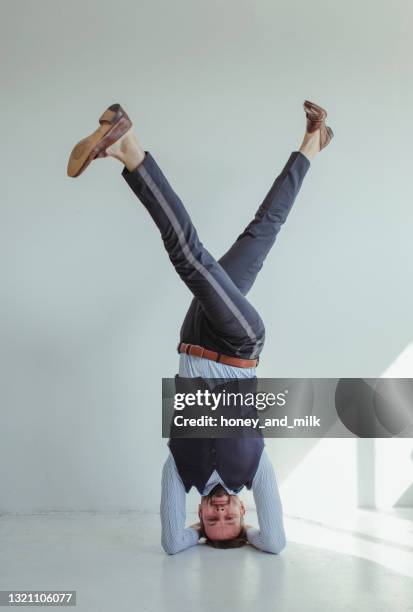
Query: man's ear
point(199, 511)
point(242, 508)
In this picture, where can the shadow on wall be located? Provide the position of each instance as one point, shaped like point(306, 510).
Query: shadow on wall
point(335, 473)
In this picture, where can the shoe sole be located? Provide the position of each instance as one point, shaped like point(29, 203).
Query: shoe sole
point(89, 148)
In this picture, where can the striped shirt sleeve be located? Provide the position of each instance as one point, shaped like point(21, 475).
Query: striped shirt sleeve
point(175, 537)
point(270, 537)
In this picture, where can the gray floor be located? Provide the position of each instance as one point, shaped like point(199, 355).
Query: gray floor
point(114, 562)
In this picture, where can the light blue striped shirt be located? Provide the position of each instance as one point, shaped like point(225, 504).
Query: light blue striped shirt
point(191, 367)
point(270, 536)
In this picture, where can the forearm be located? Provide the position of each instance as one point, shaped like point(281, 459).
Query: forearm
point(175, 541)
point(267, 542)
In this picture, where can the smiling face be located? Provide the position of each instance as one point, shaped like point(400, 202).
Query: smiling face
point(221, 514)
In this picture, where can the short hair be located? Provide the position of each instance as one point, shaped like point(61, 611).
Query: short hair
point(239, 540)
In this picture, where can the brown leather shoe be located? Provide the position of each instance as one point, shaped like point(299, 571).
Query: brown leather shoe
point(114, 122)
point(316, 117)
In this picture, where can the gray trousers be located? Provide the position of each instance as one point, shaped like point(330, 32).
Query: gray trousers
point(220, 317)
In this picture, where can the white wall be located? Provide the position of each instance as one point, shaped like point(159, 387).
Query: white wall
point(90, 306)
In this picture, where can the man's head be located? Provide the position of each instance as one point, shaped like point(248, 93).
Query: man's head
point(222, 519)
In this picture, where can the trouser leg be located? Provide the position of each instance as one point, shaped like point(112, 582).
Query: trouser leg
point(245, 258)
point(232, 320)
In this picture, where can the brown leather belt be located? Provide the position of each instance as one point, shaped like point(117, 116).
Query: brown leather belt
point(200, 351)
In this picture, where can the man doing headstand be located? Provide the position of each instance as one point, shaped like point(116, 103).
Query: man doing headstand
point(221, 337)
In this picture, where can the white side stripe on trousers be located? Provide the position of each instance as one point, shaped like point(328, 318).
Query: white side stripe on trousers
point(193, 261)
